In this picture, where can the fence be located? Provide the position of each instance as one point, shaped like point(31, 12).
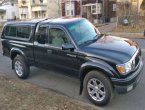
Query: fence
point(132, 19)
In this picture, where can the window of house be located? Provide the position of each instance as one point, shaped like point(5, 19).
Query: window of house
point(23, 2)
point(23, 31)
point(12, 4)
point(114, 7)
point(2, 17)
point(96, 8)
point(23, 16)
point(70, 9)
point(57, 37)
point(33, 1)
point(41, 1)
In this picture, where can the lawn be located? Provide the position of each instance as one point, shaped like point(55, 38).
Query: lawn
point(138, 28)
point(18, 95)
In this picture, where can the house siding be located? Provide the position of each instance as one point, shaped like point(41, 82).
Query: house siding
point(37, 9)
point(77, 8)
point(111, 12)
point(107, 14)
point(63, 9)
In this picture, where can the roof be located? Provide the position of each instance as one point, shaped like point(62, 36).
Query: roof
point(61, 21)
point(34, 21)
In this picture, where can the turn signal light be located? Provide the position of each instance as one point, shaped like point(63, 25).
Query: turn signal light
point(120, 69)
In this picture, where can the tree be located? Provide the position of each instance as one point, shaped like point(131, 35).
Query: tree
point(143, 5)
point(5, 1)
point(58, 3)
point(2, 1)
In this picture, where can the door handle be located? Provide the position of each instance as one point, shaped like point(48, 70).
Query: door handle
point(49, 51)
point(71, 55)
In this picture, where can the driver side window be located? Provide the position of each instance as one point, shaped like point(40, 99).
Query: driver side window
point(42, 34)
point(57, 37)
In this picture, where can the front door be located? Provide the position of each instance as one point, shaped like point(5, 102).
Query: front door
point(51, 53)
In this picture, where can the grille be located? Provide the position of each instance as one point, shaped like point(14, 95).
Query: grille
point(137, 58)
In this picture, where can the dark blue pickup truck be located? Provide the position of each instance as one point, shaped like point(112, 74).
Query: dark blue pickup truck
point(103, 63)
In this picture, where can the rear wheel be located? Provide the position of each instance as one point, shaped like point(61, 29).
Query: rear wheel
point(21, 68)
point(98, 88)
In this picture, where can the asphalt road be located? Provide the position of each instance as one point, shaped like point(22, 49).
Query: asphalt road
point(69, 86)
point(107, 28)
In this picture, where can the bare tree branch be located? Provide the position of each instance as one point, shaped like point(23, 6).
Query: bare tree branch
point(57, 2)
point(5, 1)
point(2, 2)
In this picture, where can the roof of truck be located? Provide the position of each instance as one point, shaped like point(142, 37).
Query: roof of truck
point(61, 21)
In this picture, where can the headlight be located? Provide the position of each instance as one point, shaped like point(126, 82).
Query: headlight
point(128, 67)
point(124, 68)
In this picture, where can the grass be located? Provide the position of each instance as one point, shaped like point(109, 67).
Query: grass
point(100, 24)
point(129, 31)
point(139, 28)
point(19, 95)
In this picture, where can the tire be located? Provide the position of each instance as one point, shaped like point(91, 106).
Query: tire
point(21, 68)
point(97, 88)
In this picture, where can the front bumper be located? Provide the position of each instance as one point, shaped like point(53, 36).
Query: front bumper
point(125, 85)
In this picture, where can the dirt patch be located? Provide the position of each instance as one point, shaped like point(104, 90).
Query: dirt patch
point(19, 95)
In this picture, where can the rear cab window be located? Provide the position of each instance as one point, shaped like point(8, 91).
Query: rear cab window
point(22, 32)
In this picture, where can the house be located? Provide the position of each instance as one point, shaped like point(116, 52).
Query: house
point(74, 5)
point(99, 10)
point(29, 9)
point(24, 9)
point(8, 11)
point(94, 10)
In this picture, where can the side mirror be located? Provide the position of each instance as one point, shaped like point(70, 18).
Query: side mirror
point(67, 46)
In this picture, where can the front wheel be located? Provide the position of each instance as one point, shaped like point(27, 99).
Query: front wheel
point(21, 68)
point(98, 88)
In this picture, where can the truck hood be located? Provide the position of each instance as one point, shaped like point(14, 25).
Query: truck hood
point(116, 49)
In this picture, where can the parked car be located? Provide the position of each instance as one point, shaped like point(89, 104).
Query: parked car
point(103, 63)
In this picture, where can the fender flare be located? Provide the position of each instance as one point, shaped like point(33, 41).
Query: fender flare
point(100, 66)
point(16, 51)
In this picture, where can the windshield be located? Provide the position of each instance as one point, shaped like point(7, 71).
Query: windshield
point(83, 32)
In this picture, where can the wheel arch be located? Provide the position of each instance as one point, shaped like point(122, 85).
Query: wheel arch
point(14, 52)
point(89, 66)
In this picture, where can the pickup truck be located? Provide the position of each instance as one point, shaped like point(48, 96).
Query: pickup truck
point(103, 63)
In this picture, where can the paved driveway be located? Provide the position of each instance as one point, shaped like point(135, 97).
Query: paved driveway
point(69, 86)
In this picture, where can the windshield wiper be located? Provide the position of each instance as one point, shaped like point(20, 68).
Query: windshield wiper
point(89, 41)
